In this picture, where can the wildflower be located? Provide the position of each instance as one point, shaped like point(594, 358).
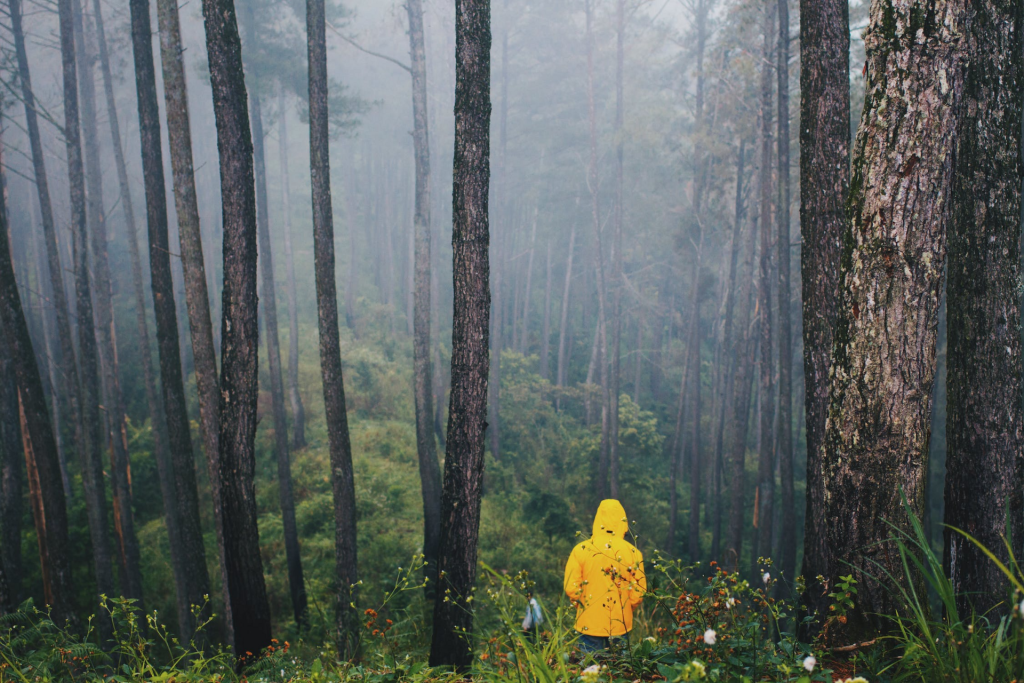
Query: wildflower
point(650, 639)
point(697, 666)
point(766, 578)
point(590, 674)
point(710, 636)
point(810, 663)
point(730, 603)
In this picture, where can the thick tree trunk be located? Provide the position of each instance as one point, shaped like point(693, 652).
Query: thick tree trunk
point(89, 447)
point(178, 478)
point(545, 335)
point(243, 567)
point(11, 489)
point(824, 182)
point(120, 475)
point(765, 513)
point(467, 416)
point(638, 357)
point(787, 533)
point(294, 397)
point(984, 437)
point(64, 365)
point(42, 465)
point(876, 440)
point(286, 498)
point(342, 481)
point(426, 446)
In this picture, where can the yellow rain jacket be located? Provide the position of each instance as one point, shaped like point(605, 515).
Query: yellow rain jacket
point(604, 576)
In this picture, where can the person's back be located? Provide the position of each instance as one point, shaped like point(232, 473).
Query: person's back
point(605, 579)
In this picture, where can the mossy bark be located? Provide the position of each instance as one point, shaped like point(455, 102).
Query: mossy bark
point(893, 249)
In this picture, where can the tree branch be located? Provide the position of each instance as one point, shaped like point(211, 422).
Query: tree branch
point(369, 52)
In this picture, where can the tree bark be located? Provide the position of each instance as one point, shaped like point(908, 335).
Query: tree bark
point(824, 182)
point(617, 274)
point(120, 473)
point(984, 440)
point(178, 483)
point(787, 533)
point(876, 441)
point(243, 567)
point(451, 644)
point(65, 365)
point(89, 447)
point(765, 513)
point(197, 301)
point(294, 397)
point(268, 296)
point(10, 473)
point(426, 446)
point(342, 481)
point(42, 464)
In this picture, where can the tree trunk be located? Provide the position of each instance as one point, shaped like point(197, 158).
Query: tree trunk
point(563, 326)
point(824, 182)
point(91, 462)
point(766, 456)
point(294, 397)
point(617, 275)
point(545, 335)
point(178, 480)
point(524, 339)
point(10, 473)
point(467, 416)
point(743, 349)
point(729, 344)
point(984, 438)
point(782, 246)
point(693, 538)
point(608, 471)
point(42, 465)
point(65, 365)
point(342, 481)
point(876, 441)
point(243, 567)
point(124, 523)
point(179, 142)
point(426, 446)
point(268, 296)
point(638, 359)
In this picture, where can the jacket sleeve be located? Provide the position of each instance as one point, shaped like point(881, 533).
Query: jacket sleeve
point(573, 582)
point(636, 596)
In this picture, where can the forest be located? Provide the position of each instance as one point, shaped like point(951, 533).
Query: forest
point(412, 341)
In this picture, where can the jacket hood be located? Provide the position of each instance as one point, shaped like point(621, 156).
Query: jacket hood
point(610, 520)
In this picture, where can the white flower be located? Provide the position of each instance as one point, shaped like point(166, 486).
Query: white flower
point(591, 673)
point(810, 663)
point(650, 639)
point(766, 578)
point(730, 603)
point(1022, 608)
point(698, 668)
point(710, 636)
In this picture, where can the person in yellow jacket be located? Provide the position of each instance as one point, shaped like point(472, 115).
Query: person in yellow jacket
point(605, 579)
